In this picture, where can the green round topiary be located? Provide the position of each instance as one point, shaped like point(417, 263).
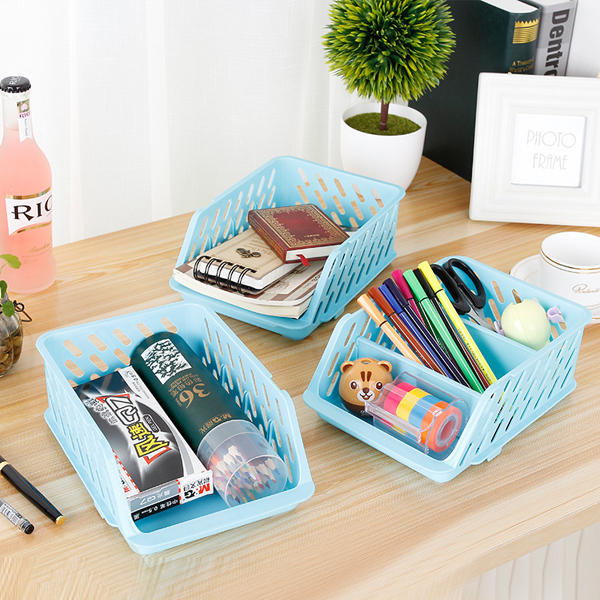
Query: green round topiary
point(389, 49)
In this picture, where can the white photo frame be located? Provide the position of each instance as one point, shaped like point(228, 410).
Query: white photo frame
point(537, 150)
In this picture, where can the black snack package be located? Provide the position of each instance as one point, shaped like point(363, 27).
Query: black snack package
point(158, 468)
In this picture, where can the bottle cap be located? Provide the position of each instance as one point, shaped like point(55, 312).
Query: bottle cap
point(15, 84)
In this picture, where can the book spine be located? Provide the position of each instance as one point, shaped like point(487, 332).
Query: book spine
point(521, 43)
point(257, 223)
point(554, 38)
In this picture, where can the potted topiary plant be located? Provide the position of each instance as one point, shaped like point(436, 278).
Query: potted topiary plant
point(11, 330)
point(387, 50)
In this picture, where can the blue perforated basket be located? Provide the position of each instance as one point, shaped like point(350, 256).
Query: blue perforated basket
point(349, 200)
point(529, 382)
point(74, 355)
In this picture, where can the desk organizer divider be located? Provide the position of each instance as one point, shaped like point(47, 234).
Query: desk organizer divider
point(74, 355)
point(529, 382)
point(349, 200)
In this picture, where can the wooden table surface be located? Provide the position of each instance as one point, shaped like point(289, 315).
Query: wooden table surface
point(374, 528)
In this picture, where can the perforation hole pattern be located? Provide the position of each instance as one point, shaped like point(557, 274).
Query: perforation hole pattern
point(347, 199)
point(522, 395)
point(266, 405)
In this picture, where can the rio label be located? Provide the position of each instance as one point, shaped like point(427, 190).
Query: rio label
point(27, 212)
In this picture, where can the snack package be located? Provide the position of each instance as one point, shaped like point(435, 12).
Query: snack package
point(158, 468)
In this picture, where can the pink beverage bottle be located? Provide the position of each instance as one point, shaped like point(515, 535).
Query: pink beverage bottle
point(25, 195)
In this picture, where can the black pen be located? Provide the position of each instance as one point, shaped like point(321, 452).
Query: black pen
point(30, 492)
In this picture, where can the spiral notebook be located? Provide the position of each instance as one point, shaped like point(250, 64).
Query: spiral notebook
point(242, 262)
point(287, 297)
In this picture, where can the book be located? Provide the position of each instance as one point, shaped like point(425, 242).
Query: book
point(297, 233)
point(245, 261)
point(557, 18)
point(288, 297)
point(495, 36)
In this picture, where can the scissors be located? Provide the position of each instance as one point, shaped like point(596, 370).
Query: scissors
point(464, 300)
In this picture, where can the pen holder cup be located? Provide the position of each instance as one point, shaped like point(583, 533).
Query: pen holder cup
point(77, 354)
point(366, 205)
point(529, 382)
point(421, 414)
point(241, 460)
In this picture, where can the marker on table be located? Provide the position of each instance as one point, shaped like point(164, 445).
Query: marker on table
point(437, 288)
point(440, 328)
point(17, 519)
point(30, 492)
point(375, 315)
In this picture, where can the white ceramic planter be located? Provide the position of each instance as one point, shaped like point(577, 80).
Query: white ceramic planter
point(393, 158)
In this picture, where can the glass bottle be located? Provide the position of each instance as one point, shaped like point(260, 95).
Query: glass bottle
point(25, 194)
point(11, 339)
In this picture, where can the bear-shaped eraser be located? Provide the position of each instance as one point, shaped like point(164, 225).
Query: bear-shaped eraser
point(363, 379)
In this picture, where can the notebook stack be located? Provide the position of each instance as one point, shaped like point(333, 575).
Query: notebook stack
point(272, 269)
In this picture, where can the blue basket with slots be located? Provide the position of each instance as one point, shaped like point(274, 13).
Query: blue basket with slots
point(349, 200)
point(74, 355)
point(529, 382)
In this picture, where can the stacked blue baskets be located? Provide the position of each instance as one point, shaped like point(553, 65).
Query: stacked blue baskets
point(74, 355)
point(529, 382)
point(367, 205)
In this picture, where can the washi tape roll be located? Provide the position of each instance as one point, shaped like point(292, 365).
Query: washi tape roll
point(437, 421)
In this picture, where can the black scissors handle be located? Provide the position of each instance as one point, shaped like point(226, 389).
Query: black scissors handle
point(459, 301)
point(478, 298)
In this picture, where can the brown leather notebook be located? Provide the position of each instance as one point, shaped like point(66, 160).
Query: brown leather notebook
point(297, 233)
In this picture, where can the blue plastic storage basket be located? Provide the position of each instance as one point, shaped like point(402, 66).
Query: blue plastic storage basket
point(349, 200)
point(529, 382)
point(74, 355)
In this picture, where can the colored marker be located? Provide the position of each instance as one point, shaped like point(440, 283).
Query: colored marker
point(17, 519)
point(418, 329)
point(451, 330)
point(405, 289)
point(367, 304)
point(399, 303)
point(414, 343)
point(440, 328)
point(457, 321)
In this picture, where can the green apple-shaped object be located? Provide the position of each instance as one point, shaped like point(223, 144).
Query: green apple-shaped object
point(527, 323)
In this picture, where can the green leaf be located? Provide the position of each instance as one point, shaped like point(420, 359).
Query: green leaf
point(8, 308)
point(11, 260)
point(3, 287)
point(389, 49)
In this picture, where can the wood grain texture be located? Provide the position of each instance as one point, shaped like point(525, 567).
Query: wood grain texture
point(563, 570)
point(374, 527)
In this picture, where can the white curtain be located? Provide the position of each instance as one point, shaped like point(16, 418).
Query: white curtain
point(147, 109)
